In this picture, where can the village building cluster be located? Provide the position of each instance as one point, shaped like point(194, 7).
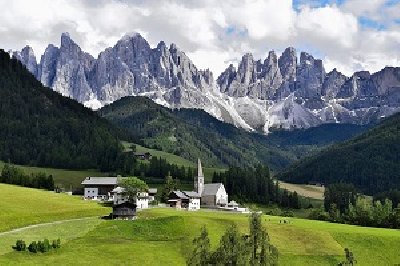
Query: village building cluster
point(107, 189)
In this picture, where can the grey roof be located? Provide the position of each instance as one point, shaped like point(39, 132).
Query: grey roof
point(93, 180)
point(192, 194)
point(180, 194)
point(211, 189)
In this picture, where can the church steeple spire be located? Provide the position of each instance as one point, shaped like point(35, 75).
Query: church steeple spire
point(199, 179)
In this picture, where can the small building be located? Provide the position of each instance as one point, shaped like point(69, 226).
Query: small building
point(99, 188)
point(119, 196)
point(189, 200)
point(143, 155)
point(152, 194)
point(124, 211)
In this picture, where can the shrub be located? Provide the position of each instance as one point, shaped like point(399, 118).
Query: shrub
point(33, 247)
point(20, 245)
point(40, 246)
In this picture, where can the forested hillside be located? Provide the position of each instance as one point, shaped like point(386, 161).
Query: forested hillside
point(193, 133)
point(370, 161)
point(40, 127)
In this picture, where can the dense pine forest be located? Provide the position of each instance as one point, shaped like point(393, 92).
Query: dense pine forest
point(370, 161)
point(193, 134)
point(42, 128)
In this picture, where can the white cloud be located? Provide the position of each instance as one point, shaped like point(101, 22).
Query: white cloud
point(327, 25)
point(213, 33)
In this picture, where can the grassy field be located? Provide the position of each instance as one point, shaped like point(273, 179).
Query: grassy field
point(68, 179)
point(163, 237)
point(308, 191)
point(25, 206)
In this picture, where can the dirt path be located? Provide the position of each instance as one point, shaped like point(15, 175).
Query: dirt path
point(44, 224)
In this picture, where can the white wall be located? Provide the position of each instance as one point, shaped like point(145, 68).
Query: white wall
point(142, 203)
point(221, 196)
point(194, 204)
point(91, 192)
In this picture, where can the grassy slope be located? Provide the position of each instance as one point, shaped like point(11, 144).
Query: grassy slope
point(25, 206)
point(163, 237)
point(62, 177)
point(175, 159)
point(308, 191)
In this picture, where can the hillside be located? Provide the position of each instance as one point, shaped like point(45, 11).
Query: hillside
point(370, 161)
point(26, 206)
point(42, 128)
point(193, 133)
point(164, 237)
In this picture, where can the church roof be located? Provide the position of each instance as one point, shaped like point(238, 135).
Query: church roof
point(211, 189)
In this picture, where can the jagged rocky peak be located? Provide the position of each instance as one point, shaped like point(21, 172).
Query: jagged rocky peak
point(288, 64)
point(130, 67)
point(288, 67)
point(310, 76)
point(334, 80)
point(28, 58)
point(245, 72)
point(387, 81)
point(48, 63)
point(225, 79)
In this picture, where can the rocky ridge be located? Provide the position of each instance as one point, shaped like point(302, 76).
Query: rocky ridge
point(279, 92)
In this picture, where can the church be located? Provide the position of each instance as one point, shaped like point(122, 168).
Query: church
point(205, 195)
point(213, 194)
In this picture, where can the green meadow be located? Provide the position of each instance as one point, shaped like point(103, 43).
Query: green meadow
point(68, 179)
point(163, 236)
point(21, 207)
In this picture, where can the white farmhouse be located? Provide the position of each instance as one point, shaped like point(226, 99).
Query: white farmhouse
point(119, 197)
point(99, 188)
point(189, 200)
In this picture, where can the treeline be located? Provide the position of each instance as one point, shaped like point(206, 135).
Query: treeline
point(343, 204)
point(40, 127)
point(256, 185)
point(160, 168)
point(370, 161)
point(16, 176)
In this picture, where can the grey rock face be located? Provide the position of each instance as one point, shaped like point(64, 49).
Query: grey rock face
point(276, 92)
point(131, 67)
point(310, 76)
point(288, 66)
point(333, 82)
point(28, 58)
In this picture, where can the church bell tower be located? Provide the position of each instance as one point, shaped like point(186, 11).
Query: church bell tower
point(199, 179)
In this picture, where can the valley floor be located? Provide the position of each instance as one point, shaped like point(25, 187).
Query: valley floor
point(163, 237)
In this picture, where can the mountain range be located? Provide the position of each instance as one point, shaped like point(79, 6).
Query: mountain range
point(286, 91)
